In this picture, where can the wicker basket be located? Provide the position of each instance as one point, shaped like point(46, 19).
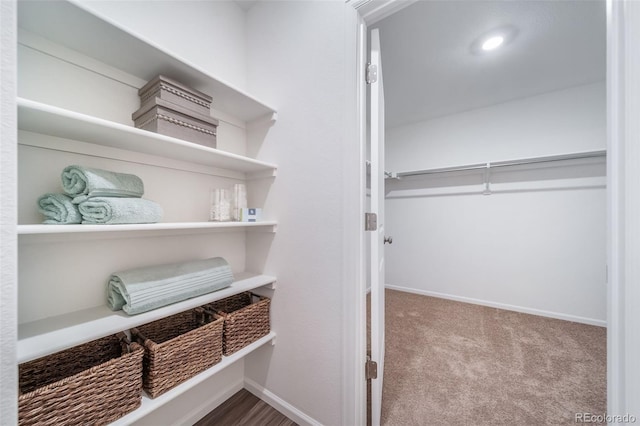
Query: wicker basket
point(93, 383)
point(246, 319)
point(178, 347)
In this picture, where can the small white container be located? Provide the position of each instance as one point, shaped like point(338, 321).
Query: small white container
point(250, 215)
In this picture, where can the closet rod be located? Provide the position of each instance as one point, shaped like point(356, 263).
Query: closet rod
point(507, 163)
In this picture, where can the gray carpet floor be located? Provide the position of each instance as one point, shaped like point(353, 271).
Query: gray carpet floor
point(452, 363)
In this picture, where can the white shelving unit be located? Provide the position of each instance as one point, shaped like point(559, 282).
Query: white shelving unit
point(549, 159)
point(480, 178)
point(69, 24)
point(50, 120)
point(144, 227)
point(34, 234)
point(50, 335)
point(66, 25)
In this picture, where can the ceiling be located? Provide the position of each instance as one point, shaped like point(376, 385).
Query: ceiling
point(246, 4)
point(430, 70)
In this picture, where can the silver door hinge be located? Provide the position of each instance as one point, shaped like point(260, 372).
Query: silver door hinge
point(370, 369)
point(370, 222)
point(372, 73)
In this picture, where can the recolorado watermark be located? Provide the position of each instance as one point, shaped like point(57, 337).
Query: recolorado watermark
point(604, 418)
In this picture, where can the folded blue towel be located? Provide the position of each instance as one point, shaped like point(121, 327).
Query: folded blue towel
point(143, 289)
point(82, 183)
point(58, 209)
point(110, 210)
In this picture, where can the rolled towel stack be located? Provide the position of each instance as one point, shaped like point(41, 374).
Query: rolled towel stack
point(144, 289)
point(59, 209)
point(83, 183)
point(112, 210)
point(96, 196)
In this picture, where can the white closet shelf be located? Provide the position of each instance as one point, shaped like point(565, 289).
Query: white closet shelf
point(54, 121)
point(49, 335)
point(74, 26)
point(149, 405)
point(143, 227)
point(505, 163)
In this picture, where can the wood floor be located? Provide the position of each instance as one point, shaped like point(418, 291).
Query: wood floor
point(245, 409)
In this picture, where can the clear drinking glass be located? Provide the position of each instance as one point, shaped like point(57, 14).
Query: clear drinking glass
point(238, 200)
point(220, 205)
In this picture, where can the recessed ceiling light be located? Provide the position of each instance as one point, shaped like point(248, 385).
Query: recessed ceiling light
point(492, 43)
point(493, 39)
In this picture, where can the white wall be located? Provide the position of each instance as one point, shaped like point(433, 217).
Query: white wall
point(67, 82)
point(527, 248)
point(553, 123)
point(209, 34)
point(300, 57)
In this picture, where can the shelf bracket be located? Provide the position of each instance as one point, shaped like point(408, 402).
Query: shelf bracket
point(262, 175)
point(391, 175)
point(268, 119)
point(487, 180)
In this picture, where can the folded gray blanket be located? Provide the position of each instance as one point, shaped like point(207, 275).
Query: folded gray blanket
point(143, 289)
point(58, 209)
point(110, 210)
point(82, 183)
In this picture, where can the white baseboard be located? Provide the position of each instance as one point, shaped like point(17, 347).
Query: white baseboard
point(556, 315)
point(279, 404)
point(211, 404)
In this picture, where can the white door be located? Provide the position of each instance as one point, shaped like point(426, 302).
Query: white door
point(377, 236)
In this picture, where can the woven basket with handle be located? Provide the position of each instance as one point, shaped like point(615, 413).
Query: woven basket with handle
point(246, 319)
point(178, 347)
point(93, 383)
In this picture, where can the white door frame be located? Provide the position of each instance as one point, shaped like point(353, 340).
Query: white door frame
point(623, 207)
point(354, 385)
point(376, 236)
point(623, 194)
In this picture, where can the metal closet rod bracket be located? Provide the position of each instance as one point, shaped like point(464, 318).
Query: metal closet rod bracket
point(487, 180)
point(387, 175)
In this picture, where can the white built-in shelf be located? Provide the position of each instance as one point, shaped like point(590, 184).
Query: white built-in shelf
point(49, 335)
point(149, 405)
point(54, 121)
point(63, 28)
point(74, 26)
point(142, 227)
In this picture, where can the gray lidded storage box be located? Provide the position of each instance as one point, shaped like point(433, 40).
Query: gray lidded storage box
point(167, 118)
point(170, 90)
